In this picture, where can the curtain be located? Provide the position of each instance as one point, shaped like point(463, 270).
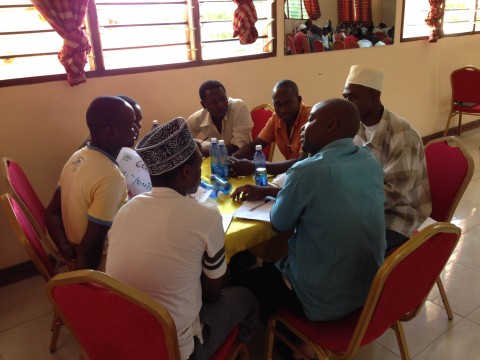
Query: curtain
point(66, 18)
point(244, 19)
point(313, 9)
point(433, 20)
point(355, 11)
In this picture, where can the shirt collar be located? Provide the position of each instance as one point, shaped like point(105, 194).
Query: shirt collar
point(94, 148)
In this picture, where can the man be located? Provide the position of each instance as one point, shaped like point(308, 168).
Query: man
point(221, 117)
point(329, 267)
point(284, 128)
point(172, 247)
point(298, 38)
point(91, 187)
point(399, 149)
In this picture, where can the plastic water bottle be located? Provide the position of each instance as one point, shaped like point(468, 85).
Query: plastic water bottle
point(154, 124)
point(208, 186)
point(213, 155)
point(260, 166)
point(222, 169)
point(220, 184)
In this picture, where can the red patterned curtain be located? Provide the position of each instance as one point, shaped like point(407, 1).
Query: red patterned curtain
point(66, 18)
point(433, 20)
point(313, 9)
point(244, 19)
point(355, 11)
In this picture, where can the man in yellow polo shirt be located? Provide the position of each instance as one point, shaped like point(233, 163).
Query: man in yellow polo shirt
point(91, 187)
point(284, 128)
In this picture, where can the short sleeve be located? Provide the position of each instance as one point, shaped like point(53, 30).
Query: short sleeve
point(213, 263)
point(108, 197)
point(268, 132)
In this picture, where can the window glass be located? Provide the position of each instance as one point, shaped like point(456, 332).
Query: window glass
point(131, 34)
point(294, 9)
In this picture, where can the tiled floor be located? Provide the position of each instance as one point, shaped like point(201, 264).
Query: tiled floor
point(25, 314)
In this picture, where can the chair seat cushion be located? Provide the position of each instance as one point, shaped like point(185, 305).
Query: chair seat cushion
point(468, 107)
point(222, 352)
point(333, 335)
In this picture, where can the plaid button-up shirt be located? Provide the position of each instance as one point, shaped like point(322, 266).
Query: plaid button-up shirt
point(399, 149)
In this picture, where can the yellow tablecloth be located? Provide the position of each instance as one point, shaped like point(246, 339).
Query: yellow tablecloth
point(242, 234)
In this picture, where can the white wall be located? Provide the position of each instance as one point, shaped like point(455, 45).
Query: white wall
point(42, 124)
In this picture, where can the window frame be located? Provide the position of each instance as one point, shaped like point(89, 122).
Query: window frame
point(473, 32)
point(100, 71)
point(302, 10)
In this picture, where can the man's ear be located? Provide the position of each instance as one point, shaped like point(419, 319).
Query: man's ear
point(332, 125)
point(299, 98)
point(202, 103)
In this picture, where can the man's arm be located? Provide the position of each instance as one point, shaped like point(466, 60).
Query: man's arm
point(254, 192)
point(211, 287)
point(56, 230)
point(231, 148)
point(90, 250)
point(244, 167)
point(247, 151)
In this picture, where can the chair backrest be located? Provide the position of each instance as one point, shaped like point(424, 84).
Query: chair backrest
point(291, 45)
point(338, 45)
point(404, 281)
point(379, 35)
point(352, 45)
point(112, 320)
point(450, 169)
point(305, 45)
point(318, 46)
point(465, 85)
point(19, 186)
point(27, 236)
point(260, 115)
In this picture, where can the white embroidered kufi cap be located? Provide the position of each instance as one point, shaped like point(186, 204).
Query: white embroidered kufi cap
point(366, 76)
point(166, 147)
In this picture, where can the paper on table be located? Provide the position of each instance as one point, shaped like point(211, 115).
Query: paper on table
point(201, 195)
point(226, 219)
point(249, 209)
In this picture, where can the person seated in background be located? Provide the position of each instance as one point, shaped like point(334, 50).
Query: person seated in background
point(354, 36)
point(365, 40)
point(326, 39)
point(329, 267)
point(297, 38)
point(284, 128)
point(92, 188)
point(172, 247)
point(338, 35)
point(398, 147)
point(222, 117)
point(314, 34)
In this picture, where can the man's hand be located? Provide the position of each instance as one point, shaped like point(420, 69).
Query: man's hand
point(250, 192)
point(240, 167)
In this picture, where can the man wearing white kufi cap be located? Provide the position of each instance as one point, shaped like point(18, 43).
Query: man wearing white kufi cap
point(172, 247)
point(399, 149)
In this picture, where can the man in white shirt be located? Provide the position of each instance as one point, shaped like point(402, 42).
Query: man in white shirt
point(172, 247)
point(221, 117)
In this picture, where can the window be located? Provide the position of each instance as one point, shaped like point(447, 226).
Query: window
point(295, 9)
point(460, 17)
point(132, 35)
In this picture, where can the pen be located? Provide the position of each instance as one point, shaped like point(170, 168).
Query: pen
point(257, 206)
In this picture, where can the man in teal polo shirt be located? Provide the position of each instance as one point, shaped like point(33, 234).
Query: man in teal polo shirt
point(333, 200)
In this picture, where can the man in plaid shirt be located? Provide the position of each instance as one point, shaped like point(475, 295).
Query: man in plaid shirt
point(399, 149)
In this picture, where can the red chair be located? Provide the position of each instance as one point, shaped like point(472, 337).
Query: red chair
point(30, 240)
point(450, 169)
point(465, 84)
point(397, 294)
point(260, 115)
point(291, 45)
point(318, 46)
point(338, 45)
point(21, 189)
point(305, 45)
point(112, 320)
point(352, 45)
point(380, 35)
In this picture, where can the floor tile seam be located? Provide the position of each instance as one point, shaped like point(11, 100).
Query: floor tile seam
point(386, 348)
point(470, 313)
point(26, 322)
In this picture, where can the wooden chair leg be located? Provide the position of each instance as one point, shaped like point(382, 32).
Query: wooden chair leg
point(56, 326)
point(459, 123)
point(452, 114)
point(270, 338)
point(402, 343)
point(443, 294)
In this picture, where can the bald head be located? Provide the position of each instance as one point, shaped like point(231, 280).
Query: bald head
point(329, 120)
point(107, 110)
point(286, 84)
